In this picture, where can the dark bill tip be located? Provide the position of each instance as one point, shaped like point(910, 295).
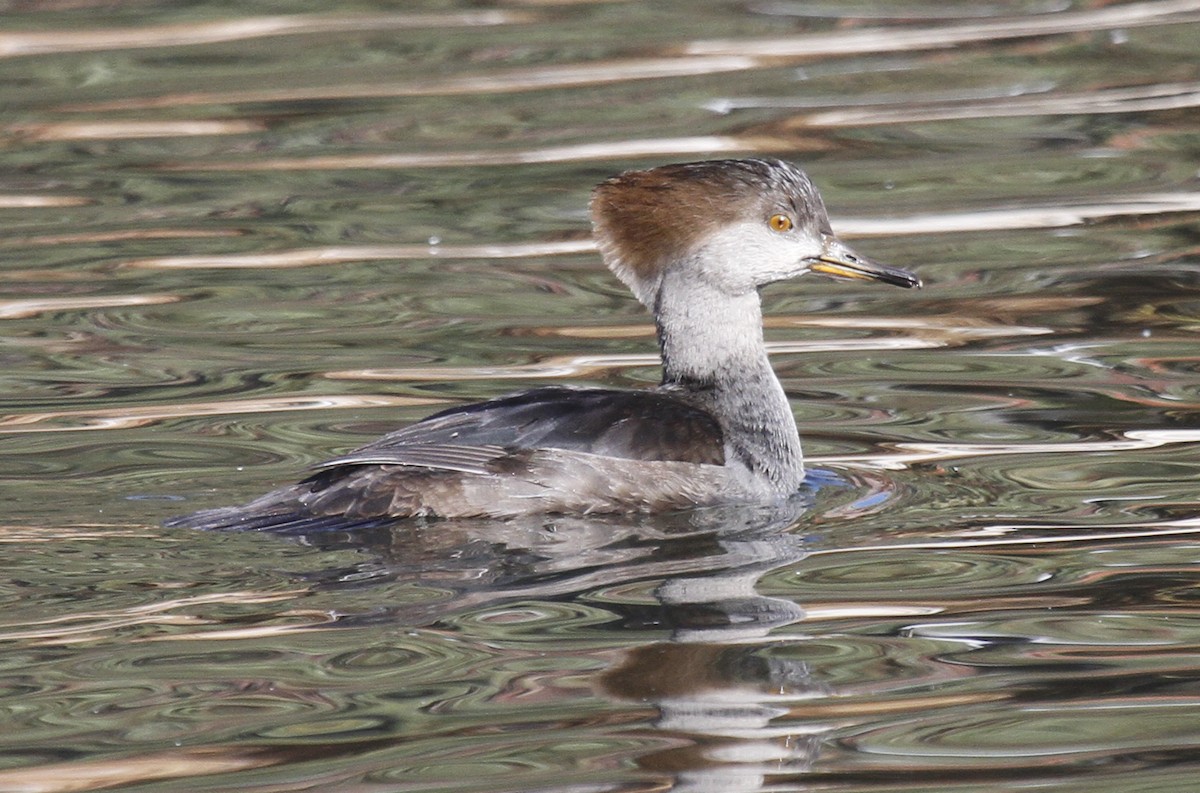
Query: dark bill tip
point(840, 261)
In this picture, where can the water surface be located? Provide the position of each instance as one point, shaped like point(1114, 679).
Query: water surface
point(235, 243)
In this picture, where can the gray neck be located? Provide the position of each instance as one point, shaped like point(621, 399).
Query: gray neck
point(712, 347)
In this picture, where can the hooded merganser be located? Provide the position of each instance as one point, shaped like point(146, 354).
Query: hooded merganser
point(694, 243)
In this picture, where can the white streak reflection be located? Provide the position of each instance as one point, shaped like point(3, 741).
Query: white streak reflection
point(1139, 99)
point(118, 418)
point(340, 254)
point(1060, 216)
point(129, 129)
point(91, 39)
point(908, 454)
point(23, 309)
point(497, 81)
point(706, 145)
point(927, 37)
point(567, 366)
point(40, 201)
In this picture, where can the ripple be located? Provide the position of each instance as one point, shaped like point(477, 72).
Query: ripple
point(417, 658)
point(929, 573)
point(517, 622)
point(1076, 635)
point(344, 727)
point(1065, 734)
point(844, 664)
point(1102, 476)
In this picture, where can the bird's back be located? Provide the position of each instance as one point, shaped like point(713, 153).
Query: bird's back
point(553, 449)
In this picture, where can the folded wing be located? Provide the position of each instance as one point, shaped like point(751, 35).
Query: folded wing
point(633, 425)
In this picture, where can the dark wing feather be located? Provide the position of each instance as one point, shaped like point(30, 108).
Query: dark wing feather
point(635, 425)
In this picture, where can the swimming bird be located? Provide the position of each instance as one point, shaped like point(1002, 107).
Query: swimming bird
point(695, 243)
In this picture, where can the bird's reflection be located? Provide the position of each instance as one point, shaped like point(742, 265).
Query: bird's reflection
point(711, 680)
point(714, 682)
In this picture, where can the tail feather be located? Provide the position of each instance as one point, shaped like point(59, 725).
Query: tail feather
point(290, 522)
point(341, 498)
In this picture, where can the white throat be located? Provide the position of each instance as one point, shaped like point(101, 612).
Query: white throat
point(712, 346)
point(707, 335)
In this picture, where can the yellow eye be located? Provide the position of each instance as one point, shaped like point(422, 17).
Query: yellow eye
point(780, 223)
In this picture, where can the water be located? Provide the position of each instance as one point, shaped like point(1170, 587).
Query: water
point(237, 243)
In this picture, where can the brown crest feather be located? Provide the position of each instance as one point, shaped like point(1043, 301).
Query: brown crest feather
point(644, 220)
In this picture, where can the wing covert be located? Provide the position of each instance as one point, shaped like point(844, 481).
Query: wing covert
point(636, 425)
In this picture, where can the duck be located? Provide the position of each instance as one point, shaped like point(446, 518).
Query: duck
point(695, 243)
